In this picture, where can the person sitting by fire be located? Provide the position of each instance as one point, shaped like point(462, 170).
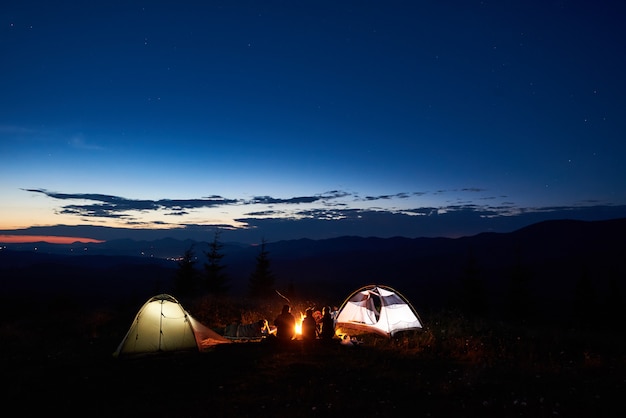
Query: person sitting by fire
point(285, 324)
point(309, 326)
point(327, 331)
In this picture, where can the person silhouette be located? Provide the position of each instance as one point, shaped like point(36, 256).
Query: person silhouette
point(285, 324)
point(309, 326)
point(327, 331)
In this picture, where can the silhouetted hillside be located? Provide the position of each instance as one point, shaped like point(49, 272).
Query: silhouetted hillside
point(90, 278)
point(548, 258)
point(552, 255)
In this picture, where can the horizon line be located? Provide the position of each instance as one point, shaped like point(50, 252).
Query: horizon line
point(51, 239)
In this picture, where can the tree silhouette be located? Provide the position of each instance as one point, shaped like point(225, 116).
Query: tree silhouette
point(216, 281)
point(186, 275)
point(261, 282)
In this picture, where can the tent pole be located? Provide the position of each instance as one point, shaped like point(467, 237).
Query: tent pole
point(160, 325)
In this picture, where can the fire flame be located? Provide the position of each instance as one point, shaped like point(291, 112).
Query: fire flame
point(299, 324)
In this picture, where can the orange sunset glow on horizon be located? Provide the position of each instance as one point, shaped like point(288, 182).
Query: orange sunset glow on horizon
point(24, 239)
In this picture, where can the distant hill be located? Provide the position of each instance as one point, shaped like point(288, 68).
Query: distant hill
point(553, 256)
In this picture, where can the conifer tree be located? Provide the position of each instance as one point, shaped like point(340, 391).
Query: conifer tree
point(186, 276)
point(261, 282)
point(216, 281)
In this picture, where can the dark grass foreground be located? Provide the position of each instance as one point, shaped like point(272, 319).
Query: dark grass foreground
point(448, 370)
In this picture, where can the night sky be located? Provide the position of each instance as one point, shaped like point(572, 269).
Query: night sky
point(309, 119)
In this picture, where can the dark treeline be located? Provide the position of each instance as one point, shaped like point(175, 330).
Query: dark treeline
point(553, 272)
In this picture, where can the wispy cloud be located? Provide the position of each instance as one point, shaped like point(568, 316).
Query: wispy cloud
point(323, 197)
point(17, 130)
point(109, 206)
point(402, 195)
point(473, 190)
point(405, 208)
point(78, 141)
point(321, 223)
point(117, 207)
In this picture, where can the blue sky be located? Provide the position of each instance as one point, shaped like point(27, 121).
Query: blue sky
point(292, 119)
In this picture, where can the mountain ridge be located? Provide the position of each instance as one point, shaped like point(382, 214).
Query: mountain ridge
point(554, 255)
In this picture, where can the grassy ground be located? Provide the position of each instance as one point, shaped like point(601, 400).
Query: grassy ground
point(452, 368)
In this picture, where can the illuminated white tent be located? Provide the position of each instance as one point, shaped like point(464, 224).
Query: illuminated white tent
point(163, 325)
point(376, 309)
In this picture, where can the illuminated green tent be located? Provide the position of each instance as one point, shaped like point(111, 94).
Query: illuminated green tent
point(163, 325)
